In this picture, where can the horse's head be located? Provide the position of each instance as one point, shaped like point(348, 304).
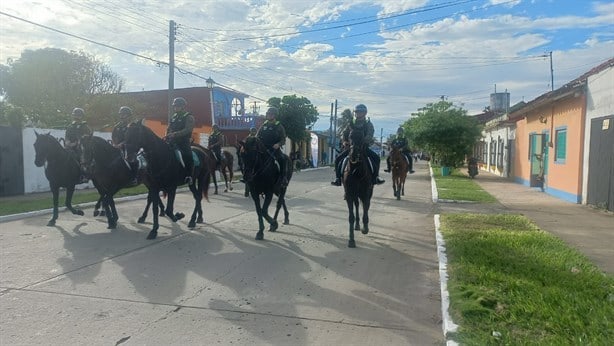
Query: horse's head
point(357, 139)
point(43, 146)
point(134, 139)
point(251, 151)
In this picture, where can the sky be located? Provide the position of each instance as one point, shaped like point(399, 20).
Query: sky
point(395, 56)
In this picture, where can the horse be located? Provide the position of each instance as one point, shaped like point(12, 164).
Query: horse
point(261, 174)
point(225, 168)
point(165, 173)
point(358, 185)
point(399, 166)
point(238, 147)
point(108, 170)
point(61, 169)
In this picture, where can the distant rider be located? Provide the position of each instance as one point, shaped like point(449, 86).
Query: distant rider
point(401, 142)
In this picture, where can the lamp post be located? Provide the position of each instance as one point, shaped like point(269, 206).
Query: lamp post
point(210, 82)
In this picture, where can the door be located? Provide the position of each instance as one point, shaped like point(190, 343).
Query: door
point(536, 157)
point(600, 189)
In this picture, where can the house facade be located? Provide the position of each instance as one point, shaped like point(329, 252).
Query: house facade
point(552, 151)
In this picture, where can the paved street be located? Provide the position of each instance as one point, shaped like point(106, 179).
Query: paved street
point(79, 283)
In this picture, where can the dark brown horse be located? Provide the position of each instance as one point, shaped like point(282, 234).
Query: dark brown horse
point(165, 173)
point(399, 166)
point(61, 169)
point(358, 185)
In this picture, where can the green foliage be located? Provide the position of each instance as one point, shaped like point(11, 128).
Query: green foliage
point(11, 116)
point(297, 114)
point(507, 276)
point(48, 83)
point(445, 131)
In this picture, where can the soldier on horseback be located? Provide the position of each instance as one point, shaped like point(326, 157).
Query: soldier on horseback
point(273, 135)
point(179, 134)
point(360, 123)
point(216, 140)
point(401, 142)
point(72, 138)
point(118, 137)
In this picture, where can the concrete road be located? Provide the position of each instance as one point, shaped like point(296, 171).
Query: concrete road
point(81, 284)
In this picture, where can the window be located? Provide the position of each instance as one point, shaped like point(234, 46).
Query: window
point(560, 144)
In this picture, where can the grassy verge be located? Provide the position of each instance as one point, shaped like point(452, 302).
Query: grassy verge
point(511, 283)
point(459, 187)
point(22, 204)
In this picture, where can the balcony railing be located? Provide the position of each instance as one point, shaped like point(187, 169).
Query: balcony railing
point(243, 122)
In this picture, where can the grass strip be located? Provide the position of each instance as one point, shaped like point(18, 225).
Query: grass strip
point(459, 187)
point(513, 284)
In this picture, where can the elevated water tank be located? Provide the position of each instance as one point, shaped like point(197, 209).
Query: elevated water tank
point(500, 102)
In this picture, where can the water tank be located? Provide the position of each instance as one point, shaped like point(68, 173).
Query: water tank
point(500, 102)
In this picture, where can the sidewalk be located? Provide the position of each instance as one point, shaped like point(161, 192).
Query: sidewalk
point(588, 230)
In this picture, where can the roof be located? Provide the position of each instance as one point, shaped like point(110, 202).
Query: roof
point(566, 90)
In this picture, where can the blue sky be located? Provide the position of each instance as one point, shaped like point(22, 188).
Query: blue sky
point(395, 56)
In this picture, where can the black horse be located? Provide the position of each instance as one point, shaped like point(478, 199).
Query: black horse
point(358, 185)
point(165, 173)
point(261, 174)
point(62, 170)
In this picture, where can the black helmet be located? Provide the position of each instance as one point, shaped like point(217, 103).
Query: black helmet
point(273, 111)
point(179, 102)
point(252, 129)
point(78, 112)
point(125, 112)
point(360, 108)
point(216, 126)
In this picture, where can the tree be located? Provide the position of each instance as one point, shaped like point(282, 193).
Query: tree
point(445, 131)
point(297, 114)
point(48, 83)
point(11, 116)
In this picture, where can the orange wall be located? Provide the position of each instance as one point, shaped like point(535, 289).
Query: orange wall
point(566, 176)
point(159, 128)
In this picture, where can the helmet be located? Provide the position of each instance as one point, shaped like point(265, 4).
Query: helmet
point(360, 108)
point(78, 112)
point(273, 111)
point(179, 102)
point(252, 129)
point(125, 112)
point(216, 126)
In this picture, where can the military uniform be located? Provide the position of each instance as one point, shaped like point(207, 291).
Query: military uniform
point(179, 133)
point(270, 133)
point(216, 139)
point(72, 138)
point(367, 129)
point(118, 136)
point(401, 143)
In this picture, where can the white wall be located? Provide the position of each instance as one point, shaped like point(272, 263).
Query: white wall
point(599, 103)
point(34, 179)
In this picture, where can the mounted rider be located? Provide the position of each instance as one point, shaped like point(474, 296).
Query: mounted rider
point(216, 140)
point(359, 123)
point(179, 134)
point(401, 142)
point(72, 138)
point(118, 137)
point(273, 135)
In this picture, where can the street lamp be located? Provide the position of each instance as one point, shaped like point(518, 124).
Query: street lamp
point(210, 82)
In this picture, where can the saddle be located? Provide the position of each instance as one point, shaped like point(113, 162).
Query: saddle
point(182, 162)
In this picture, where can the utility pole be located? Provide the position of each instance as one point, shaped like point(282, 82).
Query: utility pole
point(551, 74)
point(255, 108)
point(335, 132)
point(172, 29)
point(330, 132)
point(381, 142)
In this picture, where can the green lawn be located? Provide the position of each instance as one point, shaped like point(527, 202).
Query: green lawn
point(459, 187)
point(512, 284)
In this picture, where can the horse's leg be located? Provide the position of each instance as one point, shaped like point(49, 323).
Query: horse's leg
point(197, 194)
point(256, 198)
point(97, 207)
point(144, 215)
point(114, 216)
point(213, 175)
point(366, 204)
point(230, 176)
point(357, 215)
point(268, 197)
point(69, 193)
point(153, 196)
point(223, 172)
point(281, 202)
point(350, 203)
point(55, 191)
point(170, 205)
point(161, 204)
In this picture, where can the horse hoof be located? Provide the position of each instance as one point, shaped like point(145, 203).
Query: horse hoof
point(273, 228)
point(80, 212)
point(96, 213)
point(286, 222)
point(259, 236)
point(179, 216)
point(51, 223)
point(200, 220)
point(351, 244)
point(225, 190)
point(215, 193)
point(231, 188)
point(141, 220)
point(152, 235)
point(191, 224)
point(365, 230)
